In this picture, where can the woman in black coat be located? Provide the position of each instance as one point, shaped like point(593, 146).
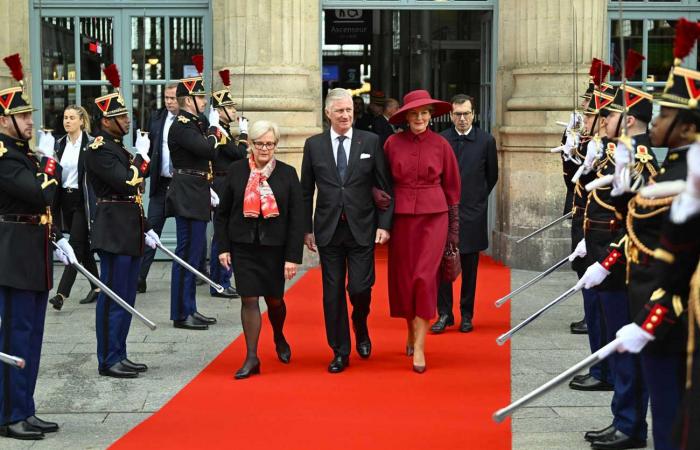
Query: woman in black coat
point(259, 231)
point(74, 200)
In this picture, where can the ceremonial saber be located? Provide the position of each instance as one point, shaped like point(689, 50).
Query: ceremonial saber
point(505, 336)
point(12, 360)
point(110, 293)
point(549, 225)
point(196, 272)
point(504, 299)
point(596, 357)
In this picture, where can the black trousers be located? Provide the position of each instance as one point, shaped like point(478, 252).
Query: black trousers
point(156, 217)
point(343, 254)
point(470, 264)
point(74, 220)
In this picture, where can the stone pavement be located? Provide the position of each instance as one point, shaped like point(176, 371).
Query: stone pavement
point(94, 411)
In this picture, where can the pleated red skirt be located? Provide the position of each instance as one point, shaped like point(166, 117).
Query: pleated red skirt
point(415, 250)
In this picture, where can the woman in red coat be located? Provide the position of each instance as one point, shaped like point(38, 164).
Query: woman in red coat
point(426, 188)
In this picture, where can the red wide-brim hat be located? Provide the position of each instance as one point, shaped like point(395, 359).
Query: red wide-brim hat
point(416, 99)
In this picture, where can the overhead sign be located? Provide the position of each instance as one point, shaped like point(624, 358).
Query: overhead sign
point(348, 26)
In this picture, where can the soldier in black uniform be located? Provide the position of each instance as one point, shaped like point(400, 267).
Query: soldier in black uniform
point(193, 146)
point(119, 227)
point(640, 253)
point(602, 224)
point(28, 183)
point(231, 149)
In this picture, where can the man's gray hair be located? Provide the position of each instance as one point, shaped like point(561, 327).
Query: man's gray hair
point(261, 127)
point(336, 94)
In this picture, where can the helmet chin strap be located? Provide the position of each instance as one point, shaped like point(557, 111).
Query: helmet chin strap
point(674, 122)
point(226, 114)
point(114, 119)
point(196, 108)
point(14, 123)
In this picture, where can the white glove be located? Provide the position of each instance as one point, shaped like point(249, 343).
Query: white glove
point(152, 239)
point(579, 251)
point(687, 203)
point(633, 338)
point(693, 179)
point(594, 150)
point(575, 119)
point(214, 118)
point(214, 199)
point(143, 144)
point(65, 253)
point(594, 275)
point(572, 141)
point(243, 125)
point(622, 181)
point(46, 144)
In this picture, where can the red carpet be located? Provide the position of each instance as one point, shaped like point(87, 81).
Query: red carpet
point(375, 404)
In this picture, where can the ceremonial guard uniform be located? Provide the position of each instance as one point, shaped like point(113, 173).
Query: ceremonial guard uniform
point(28, 183)
point(602, 224)
point(193, 146)
point(230, 149)
point(118, 231)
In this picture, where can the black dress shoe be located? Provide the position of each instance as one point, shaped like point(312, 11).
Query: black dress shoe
point(141, 286)
point(338, 364)
point(441, 323)
point(284, 351)
point(90, 298)
point(579, 327)
point(21, 430)
point(229, 292)
point(617, 440)
point(364, 348)
point(247, 370)
point(466, 325)
point(42, 425)
point(136, 367)
point(204, 319)
point(591, 436)
point(57, 302)
point(590, 383)
point(119, 370)
point(190, 323)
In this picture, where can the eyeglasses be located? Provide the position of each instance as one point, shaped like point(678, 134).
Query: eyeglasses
point(264, 145)
point(463, 114)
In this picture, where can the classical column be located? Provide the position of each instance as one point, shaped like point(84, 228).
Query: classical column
point(272, 48)
point(535, 89)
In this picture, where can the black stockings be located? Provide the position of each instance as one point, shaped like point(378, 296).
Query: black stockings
point(250, 318)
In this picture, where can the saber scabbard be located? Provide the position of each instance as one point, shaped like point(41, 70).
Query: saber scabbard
point(549, 225)
point(600, 355)
point(539, 277)
point(187, 266)
point(502, 339)
point(110, 293)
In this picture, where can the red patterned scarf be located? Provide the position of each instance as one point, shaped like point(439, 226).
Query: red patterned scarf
point(258, 194)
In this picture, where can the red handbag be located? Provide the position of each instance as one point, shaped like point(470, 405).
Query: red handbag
point(450, 266)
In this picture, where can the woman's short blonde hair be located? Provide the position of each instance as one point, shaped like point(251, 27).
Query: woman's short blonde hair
point(261, 127)
point(83, 114)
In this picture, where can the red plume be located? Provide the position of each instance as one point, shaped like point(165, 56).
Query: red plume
point(602, 73)
point(225, 75)
point(633, 61)
point(112, 74)
point(15, 65)
point(595, 67)
point(686, 35)
point(198, 61)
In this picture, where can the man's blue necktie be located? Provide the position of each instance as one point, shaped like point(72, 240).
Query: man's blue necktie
point(342, 160)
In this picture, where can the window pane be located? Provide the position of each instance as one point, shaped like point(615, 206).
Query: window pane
point(153, 101)
point(155, 51)
point(56, 98)
point(58, 48)
point(96, 46)
point(632, 33)
point(185, 41)
point(661, 34)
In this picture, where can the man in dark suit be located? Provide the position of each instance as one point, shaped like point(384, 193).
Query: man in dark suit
point(344, 164)
point(381, 125)
point(478, 164)
point(161, 174)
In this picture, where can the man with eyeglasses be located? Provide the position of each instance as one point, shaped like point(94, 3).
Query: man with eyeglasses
point(478, 164)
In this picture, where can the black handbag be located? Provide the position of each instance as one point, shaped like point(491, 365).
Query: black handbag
point(450, 266)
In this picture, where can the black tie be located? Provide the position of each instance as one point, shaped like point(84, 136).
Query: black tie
point(342, 160)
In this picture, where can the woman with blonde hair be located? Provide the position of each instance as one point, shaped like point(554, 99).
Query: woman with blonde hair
point(259, 229)
point(74, 201)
